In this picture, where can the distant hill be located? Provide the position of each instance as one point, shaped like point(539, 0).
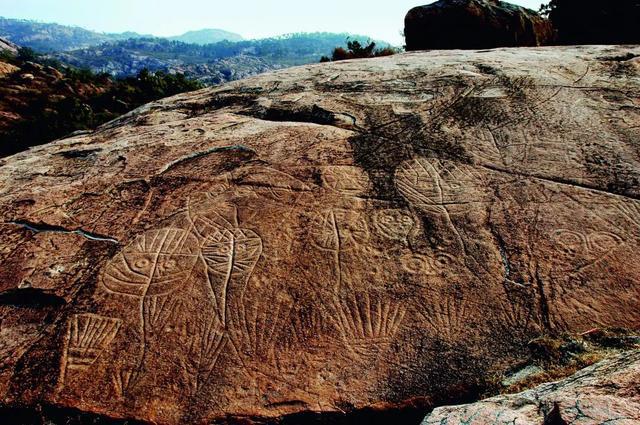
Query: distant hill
point(49, 37)
point(46, 37)
point(211, 56)
point(211, 63)
point(207, 36)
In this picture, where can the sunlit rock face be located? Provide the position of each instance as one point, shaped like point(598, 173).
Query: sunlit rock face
point(604, 393)
point(474, 24)
point(6, 45)
point(325, 238)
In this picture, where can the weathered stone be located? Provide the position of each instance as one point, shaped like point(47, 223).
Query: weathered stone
point(474, 24)
point(604, 393)
point(7, 45)
point(7, 68)
point(521, 375)
point(325, 238)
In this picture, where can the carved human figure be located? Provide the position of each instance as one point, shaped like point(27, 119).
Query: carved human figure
point(440, 186)
point(153, 266)
point(230, 256)
point(337, 231)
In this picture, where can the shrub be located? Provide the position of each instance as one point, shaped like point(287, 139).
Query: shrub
point(27, 54)
point(355, 50)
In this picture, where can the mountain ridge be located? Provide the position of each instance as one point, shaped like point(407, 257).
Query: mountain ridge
point(206, 36)
point(50, 37)
point(196, 54)
point(212, 63)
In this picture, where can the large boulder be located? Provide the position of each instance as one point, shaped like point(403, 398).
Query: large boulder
point(474, 24)
point(596, 21)
point(601, 394)
point(7, 45)
point(383, 234)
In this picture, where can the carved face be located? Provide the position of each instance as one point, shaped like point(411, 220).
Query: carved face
point(232, 252)
point(394, 224)
point(439, 186)
point(156, 263)
point(580, 249)
point(433, 264)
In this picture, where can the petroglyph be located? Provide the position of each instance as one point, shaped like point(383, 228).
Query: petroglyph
point(153, 266)
point(517, 313)
point(339, 230)
point(207, 343)
point(447, 316)
point(366, 321)
point(255, 329)
point(231, 257)
point(428, 264)
point(440, 186)
point(346, 179)
point(275, 185)
point(372, 261)
point(394, 224)
point(121, 380)
point(158, 311)
point(585, 246)
point(156, 263)
point(89, 335)
point(307, 327)
point(631, 212)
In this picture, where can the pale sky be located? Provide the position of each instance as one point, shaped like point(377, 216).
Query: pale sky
point(380, 19)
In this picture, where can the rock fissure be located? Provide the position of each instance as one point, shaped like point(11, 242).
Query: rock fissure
point(46, 228)
point(560, 181)
point(196, 155)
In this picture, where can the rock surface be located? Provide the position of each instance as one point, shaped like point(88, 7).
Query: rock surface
point(7, 68)
point(474, 24)
point(601, 394)
point(7, 45)
point(326, 238)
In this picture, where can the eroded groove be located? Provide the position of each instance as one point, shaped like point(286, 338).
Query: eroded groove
point(237, 148)
point(314, 115)
point(48, 228)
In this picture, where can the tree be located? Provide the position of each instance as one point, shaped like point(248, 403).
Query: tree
point(27, 54)
point(355, 50)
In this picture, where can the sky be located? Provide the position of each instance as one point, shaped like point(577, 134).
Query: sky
point(379, 19)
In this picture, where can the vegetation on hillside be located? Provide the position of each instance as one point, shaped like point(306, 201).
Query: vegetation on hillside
point(231, 59)
point(356, 50)
point(43, 100)
point(122, 55)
